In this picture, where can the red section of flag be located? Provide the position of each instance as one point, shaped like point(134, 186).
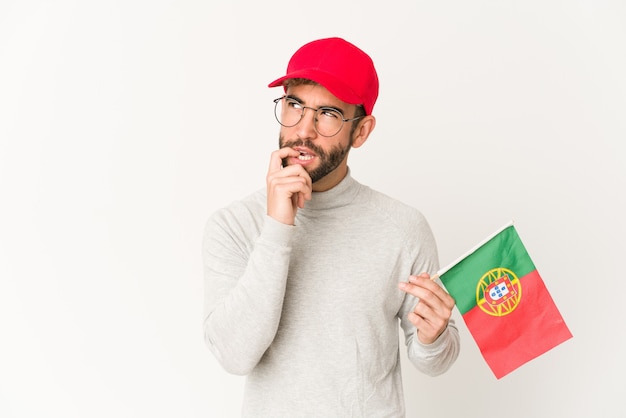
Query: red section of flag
point(532, 328)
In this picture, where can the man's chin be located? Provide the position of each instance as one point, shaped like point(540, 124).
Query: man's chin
point(316, 176)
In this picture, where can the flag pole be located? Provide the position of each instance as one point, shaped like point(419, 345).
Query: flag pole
point(458, 260)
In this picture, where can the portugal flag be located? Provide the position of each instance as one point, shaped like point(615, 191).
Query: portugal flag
point(504, 302)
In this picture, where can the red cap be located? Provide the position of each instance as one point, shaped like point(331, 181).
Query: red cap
point(339, 66)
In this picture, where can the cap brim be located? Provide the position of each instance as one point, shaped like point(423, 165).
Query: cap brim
point(331, 83)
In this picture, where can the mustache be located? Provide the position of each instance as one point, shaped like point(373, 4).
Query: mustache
point(303, 143)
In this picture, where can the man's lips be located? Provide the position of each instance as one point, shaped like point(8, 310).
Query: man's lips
point(305, 155)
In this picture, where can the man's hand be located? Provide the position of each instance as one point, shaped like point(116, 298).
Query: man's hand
point(433, 310)
point(287, 188)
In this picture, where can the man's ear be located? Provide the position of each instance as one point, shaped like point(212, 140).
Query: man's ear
point(363, 130)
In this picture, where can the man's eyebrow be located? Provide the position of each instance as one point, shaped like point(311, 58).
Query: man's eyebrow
point(296, 98)
point(299, 100)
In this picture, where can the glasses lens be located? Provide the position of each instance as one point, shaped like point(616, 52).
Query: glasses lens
point(328, 121)
point(288, 112)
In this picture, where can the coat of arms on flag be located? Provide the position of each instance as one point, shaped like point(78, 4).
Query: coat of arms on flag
point(500, 295)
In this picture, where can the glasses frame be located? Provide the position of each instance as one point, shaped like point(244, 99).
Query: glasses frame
point(342, 118)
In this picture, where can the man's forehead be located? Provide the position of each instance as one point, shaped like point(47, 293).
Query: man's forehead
point(315, 95)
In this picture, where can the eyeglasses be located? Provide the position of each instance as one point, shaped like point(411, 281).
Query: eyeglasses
point(327, 121)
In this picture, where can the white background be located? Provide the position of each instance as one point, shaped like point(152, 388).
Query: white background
point(124, 124)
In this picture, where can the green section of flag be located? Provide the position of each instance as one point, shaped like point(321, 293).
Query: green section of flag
point(503, 250)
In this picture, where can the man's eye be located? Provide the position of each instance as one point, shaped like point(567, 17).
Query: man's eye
point(330, 113)
point(293, 104)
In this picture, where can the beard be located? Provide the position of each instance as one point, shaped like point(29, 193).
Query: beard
point(328, 160)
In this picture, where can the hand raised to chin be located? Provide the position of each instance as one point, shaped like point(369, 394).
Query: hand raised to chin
point(287, 187)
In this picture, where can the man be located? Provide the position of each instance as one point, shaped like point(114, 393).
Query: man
point(306, 280)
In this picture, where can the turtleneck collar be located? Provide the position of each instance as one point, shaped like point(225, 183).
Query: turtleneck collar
point(340, 195)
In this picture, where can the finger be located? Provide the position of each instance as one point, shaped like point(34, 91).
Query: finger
point(441, 305)
point(277, 176)
point(430, 322)
point(428, 314)
point(427, 332)
point(300, 201)
point(276, 159)
point(422, 322)
point(292, 175)
point(423, 281)
point(284, 196)
point(422, 287)
point(289, 186)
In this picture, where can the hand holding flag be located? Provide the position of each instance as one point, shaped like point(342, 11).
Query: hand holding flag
point(433, 310)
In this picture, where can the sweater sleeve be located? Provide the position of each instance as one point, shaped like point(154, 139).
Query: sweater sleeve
point(244, 287)
point(435, 358)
